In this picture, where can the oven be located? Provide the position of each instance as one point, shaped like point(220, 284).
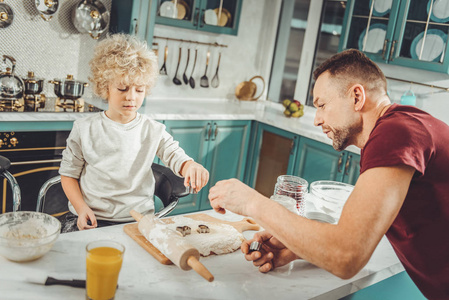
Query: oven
point(35, 157)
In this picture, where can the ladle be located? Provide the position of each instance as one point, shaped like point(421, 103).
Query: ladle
point(191, 80)
point(184, 76)
point(215, 81)
point(175, 79)
point(163, 70)
point(204, 81)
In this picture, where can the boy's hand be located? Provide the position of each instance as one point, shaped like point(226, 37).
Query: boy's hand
point(195, 175)
point(86, 214)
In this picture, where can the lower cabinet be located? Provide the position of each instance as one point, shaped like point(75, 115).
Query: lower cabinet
point(278, 152)
point(220, 146)
point(318, 161)
point(273, 154)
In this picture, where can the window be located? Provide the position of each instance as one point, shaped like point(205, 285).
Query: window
point(308, 34)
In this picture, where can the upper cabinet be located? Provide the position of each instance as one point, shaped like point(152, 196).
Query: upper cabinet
point(136, 17)
point(411, 33)
point(215, 16)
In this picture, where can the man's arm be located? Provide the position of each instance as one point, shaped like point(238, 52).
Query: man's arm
point(341, 249)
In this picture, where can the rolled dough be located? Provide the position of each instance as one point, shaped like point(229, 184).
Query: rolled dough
point(221, 239)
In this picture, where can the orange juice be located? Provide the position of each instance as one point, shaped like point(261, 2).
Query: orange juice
point(102, 269)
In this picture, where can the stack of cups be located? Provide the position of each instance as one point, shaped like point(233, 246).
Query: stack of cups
point(294, 187)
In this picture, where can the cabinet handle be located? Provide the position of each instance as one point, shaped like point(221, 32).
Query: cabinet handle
point(201, 18)
point(209, 131)
point(215, 132)
point(197, 14)
point(292, 145)
point(340, 162)
point(384, 49)
point(348, 162)
point(135, 26)
point(392, 50)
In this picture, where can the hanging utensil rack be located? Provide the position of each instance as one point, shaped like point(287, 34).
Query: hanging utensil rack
point(419, 83)
point(190, 41)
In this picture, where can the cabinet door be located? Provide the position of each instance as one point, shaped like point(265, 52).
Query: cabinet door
point(352, 168)
point(137, 18)
point(185, 14)
point(420, 38)
point(274, 153)
point(204, 15)
point(318, 161)
point(227, 154)
point(369, 27)
point(193, 138)
point(227, 17)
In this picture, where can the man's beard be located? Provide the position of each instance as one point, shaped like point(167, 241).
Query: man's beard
point(344, 136)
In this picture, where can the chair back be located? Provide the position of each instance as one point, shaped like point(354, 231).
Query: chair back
point(168, 188)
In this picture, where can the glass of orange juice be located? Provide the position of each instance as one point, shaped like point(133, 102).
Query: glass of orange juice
point(103, 263)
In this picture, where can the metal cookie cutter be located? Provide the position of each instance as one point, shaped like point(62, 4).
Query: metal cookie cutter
point(255, 246)
point(184, 230)
point(191, 190)
point(203, 229)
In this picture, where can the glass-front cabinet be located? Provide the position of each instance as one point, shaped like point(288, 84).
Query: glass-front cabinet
point(218, 16)
point(411, 33)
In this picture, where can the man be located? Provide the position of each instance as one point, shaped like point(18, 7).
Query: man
point(402, 191)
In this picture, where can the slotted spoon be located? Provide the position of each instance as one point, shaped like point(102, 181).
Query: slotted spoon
point(215, 81)
point(204, 81)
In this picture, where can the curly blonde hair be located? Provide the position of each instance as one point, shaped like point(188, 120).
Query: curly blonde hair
point(124, 57)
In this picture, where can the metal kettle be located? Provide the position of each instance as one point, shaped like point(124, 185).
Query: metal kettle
point(11, 86)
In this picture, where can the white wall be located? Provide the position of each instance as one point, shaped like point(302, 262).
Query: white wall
point(248, 54)
point(432, 100)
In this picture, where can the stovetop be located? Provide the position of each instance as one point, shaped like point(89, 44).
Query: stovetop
point(37, 104)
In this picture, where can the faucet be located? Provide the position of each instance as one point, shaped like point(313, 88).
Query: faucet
point(16, 195)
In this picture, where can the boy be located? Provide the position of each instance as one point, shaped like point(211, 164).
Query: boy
point(106, 167)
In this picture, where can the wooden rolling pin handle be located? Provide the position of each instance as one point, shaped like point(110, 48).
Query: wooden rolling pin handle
point(136, 215)
point(195, 264)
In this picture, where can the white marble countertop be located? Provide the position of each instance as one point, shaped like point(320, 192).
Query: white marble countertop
point(262, 111)
point(143, 277)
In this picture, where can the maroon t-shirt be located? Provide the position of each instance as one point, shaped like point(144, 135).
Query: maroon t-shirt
point(405, 135)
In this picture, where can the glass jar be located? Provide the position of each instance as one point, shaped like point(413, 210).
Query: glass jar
point(293, 187)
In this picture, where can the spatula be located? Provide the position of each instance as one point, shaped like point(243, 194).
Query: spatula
point(215, 81)
point(184, 76)
point(191, 80)
point(204, 81)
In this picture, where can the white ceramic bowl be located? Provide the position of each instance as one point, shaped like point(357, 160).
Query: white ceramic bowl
point(27, 235)
point(330, 196)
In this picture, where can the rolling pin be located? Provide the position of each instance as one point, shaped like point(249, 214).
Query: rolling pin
point(172, 245)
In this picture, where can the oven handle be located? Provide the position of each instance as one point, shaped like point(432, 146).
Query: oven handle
point(45, 161)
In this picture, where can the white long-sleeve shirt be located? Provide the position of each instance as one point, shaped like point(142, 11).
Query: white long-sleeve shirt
point(113, 163)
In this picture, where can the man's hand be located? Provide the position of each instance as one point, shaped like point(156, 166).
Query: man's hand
point(86, 214)
point(232, 195)
point(194, 175)
point(272, 254)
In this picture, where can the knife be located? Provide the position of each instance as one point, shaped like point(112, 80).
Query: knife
point(47, 280)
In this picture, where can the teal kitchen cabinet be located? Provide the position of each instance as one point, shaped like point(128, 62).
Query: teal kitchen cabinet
point(202, 15)
point(220, 146)
point(319, 161)
point(136, 17)
point(410, 33)
point(273, 153)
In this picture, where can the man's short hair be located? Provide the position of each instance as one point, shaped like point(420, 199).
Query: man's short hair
point(353, 66)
